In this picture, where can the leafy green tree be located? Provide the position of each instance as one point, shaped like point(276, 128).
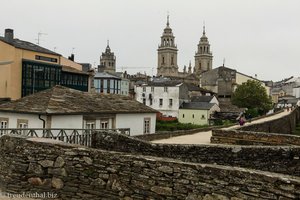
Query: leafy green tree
point(252, 95)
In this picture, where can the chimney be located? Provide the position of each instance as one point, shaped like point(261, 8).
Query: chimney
point(9, 35)
point(71, 57)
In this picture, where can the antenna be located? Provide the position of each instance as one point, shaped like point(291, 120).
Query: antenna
point(39, 37)
point(73, 48)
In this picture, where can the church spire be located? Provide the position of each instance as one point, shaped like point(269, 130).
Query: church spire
point(168, 20)
point(203, 28)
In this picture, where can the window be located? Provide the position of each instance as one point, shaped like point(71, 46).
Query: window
point(160, 102)
point(147, 125)
point(163, 60)
point(151, 102)
point(182, 115)
point(170, 102)
point(172, 60)
point(152, 89)
point(144, 101)
point(22, 124)
point(144, 89)
point(202, 117)
point(165, 89)
point(3, 125)
point(104, 124)
point(90, 125)
point(193, 116)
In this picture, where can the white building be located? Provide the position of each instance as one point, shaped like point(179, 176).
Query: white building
point(162, 96)
point(65, 108)
point(296, 92)
point(197, 112)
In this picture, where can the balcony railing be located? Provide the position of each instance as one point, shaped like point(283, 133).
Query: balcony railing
point(72, 136)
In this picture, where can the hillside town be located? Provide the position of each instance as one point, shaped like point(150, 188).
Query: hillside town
point(200, 94)
point(73, 129)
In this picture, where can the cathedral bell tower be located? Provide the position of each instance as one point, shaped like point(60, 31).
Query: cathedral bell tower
point(167, 54)
point(107, 61)
point(203, 56)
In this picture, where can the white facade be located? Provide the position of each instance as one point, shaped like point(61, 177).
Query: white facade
point(165, 99)
point(137, 122)
point(125, 87)
point(296, 92)
point(13, 118)
point(67, 121)
point(134, 121)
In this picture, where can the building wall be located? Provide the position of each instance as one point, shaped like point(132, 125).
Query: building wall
point(159, 93)
point(66, 62)
point(114, 86)
point(11, 78)
point(7, 53)
point(199, 117)
point(67, 121)
point(125, 87)
point(296, 92)
point(136, 122)
point(240, 79)
point(33, 120)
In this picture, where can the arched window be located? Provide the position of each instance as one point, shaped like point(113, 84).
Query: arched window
point(172, 60)
point(163, 60)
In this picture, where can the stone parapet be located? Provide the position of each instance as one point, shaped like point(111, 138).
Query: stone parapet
point(280, 159)
point(74, 172)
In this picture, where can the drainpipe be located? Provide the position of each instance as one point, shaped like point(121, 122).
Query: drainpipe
point(44, 122)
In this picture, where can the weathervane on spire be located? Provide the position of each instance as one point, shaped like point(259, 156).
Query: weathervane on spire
point(107, 42)
point(203, 27)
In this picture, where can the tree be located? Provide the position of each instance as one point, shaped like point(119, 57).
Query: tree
point(252, 95)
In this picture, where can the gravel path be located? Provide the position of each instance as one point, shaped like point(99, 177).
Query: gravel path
point(204, 137)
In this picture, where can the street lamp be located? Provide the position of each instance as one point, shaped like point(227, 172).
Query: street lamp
point(5, 62)
point(35, 71)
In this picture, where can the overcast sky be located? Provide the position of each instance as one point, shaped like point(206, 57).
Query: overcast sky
point(254, 36)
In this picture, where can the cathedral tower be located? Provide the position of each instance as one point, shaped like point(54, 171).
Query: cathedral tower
point(107, 61)
point(203, 56)
point(167, 54)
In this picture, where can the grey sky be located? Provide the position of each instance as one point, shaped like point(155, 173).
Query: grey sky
point(255, 36)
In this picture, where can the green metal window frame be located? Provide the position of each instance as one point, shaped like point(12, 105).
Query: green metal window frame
point(37, 76)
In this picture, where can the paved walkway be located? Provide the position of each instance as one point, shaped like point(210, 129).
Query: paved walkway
point(204, 137)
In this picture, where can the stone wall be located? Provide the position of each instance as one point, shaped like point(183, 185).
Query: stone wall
point(238, 137)
point(73, 172)
point(254, 157)
point(284, 125)
point(159, 135)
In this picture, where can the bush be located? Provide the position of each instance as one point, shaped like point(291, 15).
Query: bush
point(175, 125)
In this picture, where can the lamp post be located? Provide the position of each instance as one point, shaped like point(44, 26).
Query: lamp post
point(35, 71)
